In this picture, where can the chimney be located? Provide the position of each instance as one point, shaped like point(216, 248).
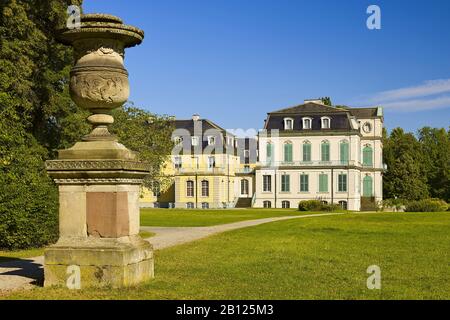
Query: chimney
point(195, 117)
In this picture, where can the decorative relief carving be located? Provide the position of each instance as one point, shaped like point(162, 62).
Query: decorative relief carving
point(101, 48)
point(99, 181)
point(107, 87)
point(97, 165)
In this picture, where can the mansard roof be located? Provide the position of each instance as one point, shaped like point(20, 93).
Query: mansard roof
point(340, 116)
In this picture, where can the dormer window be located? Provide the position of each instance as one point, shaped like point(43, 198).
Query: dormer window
point(307, 123)
point(326, 122)
point(194, 141)
point(211, 140)
point(288, 124)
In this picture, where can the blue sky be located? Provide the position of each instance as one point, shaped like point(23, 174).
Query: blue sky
point(232, 61)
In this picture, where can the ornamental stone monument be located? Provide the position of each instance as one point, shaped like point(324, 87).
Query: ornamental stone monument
point(98, 178)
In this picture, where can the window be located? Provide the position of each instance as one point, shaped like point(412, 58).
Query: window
point(190, 188)
point(205, 188)
point(211, 162)
point(323, 182)
point(342, 182)
point(156, 189)
point(177, 162)
point(285, 183)
point(367, 127)
point(288, 124)
point(307, 123)
point(325, 122)
point(246, 154)
point(244, 187)
point(178, 140)
point(304, 183)
point(267, 183)
point(367, 156)
point(205, 205)
point(343, 205)
point(367, 186)
point(288, 152)
point(211, 140)
point(325, 150)
point(285, 204)
point(190, 205)
point(230, 141)
point(343, 148)
point(267, 204)
point(269, 149)
point(307, 151)
point(194, 141)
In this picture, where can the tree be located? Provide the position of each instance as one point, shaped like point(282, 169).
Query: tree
point(146, 133)
point(405, 176)
point(435, 145)
point(326, 101)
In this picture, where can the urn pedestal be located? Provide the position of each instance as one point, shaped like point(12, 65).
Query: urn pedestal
point(98, 178)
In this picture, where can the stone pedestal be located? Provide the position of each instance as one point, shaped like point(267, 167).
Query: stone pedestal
point(99, 222)
point(98, 178)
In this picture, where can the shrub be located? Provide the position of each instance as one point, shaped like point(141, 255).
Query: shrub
point(316, 205)
point(427, 205)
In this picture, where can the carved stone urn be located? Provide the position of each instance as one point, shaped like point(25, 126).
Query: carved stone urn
point(98, 178)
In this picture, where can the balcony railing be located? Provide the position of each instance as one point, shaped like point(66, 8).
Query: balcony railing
point(201, 170)
point(310, 163)
point(244, 170)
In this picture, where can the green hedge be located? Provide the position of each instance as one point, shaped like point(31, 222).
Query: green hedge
point(316, 205)
point(427, 205)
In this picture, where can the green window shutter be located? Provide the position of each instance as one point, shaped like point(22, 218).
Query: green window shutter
point(285, 183)
point(325, 152)
point(342, 183)
point(367, 156)
point(323, 183)
point(344, 152)
point(288, 152)
point(304, 183)
point(306, 152)
point(367, 186)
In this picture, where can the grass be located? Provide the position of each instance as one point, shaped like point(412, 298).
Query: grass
point(146, 234)
point(312, 258)
point(201, 218)
point(20, 254)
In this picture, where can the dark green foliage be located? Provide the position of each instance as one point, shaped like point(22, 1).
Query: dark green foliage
point(316, 205)
point(326, 101)
point(427, 205)
point(146, 133)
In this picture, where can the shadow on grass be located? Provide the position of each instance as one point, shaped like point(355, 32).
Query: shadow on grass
point(26, 268)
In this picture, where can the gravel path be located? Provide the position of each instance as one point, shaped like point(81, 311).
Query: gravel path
point(26, 273)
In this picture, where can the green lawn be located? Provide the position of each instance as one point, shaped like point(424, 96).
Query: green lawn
point(200, 218)
point(310, 258)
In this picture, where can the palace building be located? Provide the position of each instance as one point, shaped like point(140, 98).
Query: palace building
point(310, 151)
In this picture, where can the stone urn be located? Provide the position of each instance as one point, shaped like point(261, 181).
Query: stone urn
point(98, 178)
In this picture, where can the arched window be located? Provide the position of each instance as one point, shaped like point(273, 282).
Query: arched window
point(288, 152)
point(190, 188)
point(344, 151)
point(285, 204)
point(288, 124)
point(244, 186)
point(325, 151)
point(367, 186)
point(367, 156)
point(267, 204)
point(190, 205)
point(205, 188)
point(306, 151)
point(307, 123)
point(326, 122)
point(343, 205)
point(269, 152)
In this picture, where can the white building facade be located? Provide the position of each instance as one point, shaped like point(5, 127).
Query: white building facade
point(314, 151)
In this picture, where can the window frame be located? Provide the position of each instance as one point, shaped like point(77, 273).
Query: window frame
point(303, 183)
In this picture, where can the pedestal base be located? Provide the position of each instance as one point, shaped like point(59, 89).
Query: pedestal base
point(113, 263)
